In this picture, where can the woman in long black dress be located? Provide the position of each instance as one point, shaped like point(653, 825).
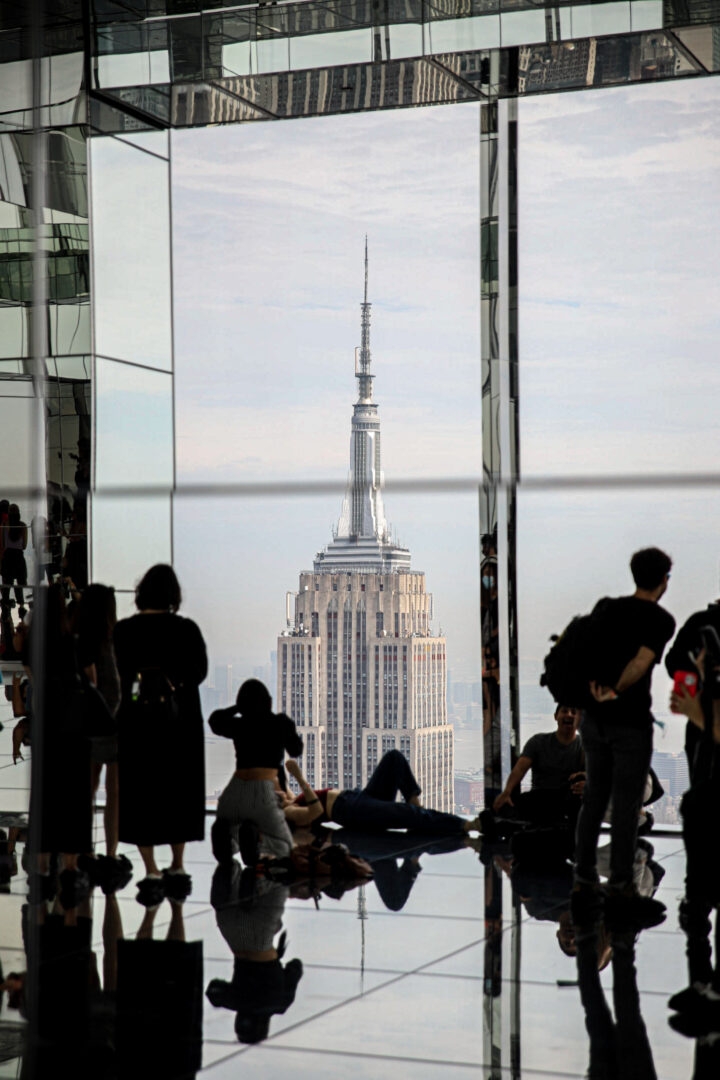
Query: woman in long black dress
point(162, 660)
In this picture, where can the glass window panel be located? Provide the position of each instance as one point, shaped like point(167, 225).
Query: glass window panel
point(522, 27)
point(17, 415)
point(236, 58)
point(406, 40)
point(273, 54)
point(134, 68)
point(453, 35)
point(70, 367)
point(69, 328)
point(129, 535)
point(589, 20)
point(13, 331)
point(134, 433)
point(615, 345)
point(646, 14)
point(330, 50)
point(131, 246)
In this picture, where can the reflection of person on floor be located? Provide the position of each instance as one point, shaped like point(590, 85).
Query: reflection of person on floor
point(698, 1006)
point(394, 880)
point(94, 625)
point(261, 739)
point(619, 1047)
point(557, 763)
point(13, 566)
point(375, 807)
point(159, 1002)
point(261, 985)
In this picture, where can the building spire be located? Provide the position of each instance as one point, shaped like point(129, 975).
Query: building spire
point(363, 358)
point(362, 539)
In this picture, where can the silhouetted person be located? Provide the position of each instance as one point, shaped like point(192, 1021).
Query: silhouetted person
point(680, 657)
point(162, 660)
point(62, 728)
point(617, 735)
point(95, 622)
point(13, 567)
point(261, 738)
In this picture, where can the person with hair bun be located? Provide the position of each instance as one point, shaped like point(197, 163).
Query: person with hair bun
point(162, 660)
point(261, 739)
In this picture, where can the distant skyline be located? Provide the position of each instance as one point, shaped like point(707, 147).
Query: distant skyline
point(619, 323)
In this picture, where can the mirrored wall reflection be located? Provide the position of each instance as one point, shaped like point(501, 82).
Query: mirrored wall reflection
point(131, 250)
point(574, 547)
point(129, 535)
point(134, 426)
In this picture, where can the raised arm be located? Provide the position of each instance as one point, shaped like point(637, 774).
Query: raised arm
point(224, 722)
point(292, 739)
point(313, 809)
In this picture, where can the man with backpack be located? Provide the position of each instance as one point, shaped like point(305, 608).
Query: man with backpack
point(629, 635)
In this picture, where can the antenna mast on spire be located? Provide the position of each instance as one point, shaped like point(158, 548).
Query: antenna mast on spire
point(363, 366)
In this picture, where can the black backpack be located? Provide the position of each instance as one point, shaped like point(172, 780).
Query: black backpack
point(575, 658)
point(154, 696)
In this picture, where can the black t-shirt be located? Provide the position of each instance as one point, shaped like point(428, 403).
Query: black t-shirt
point(261, 739)
point(624, 625)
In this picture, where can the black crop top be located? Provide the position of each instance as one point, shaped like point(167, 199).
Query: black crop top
point(261, 739)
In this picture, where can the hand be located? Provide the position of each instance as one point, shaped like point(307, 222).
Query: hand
point(294, 769)
point(577, 783)
point(682, 702)
point(503, 799)
point(602, 693)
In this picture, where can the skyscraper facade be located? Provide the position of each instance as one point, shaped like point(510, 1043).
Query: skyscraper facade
point(359, 668)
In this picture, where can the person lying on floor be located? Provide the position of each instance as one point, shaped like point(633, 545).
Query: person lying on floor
point(374, 807)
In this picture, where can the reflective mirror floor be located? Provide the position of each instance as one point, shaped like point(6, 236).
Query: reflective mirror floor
point(450, 962)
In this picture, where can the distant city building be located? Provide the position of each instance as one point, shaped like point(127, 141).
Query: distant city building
point(359, 668)
point(469, 792)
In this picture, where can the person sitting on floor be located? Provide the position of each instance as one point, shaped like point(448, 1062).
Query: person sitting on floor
point(557, 762)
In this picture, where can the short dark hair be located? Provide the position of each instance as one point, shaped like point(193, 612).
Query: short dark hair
point(649, 567)
point(159, 589)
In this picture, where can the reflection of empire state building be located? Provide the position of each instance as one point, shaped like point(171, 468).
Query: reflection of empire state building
point(359, 669)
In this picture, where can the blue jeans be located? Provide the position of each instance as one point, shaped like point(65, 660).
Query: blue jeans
point(374, 808)
point(617, 761)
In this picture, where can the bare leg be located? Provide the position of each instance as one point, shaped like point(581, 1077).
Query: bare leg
point(177, 857)
point(147, 854)
point(176, 930)
point(111, 809)
point(146, 926)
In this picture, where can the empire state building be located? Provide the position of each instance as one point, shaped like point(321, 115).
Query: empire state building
point(359, 668)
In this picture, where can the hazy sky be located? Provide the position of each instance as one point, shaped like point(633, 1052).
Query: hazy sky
point(619, 261)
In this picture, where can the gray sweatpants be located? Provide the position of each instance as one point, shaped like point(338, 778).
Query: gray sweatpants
point(259, 802)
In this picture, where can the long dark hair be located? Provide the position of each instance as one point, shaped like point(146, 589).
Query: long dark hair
point(254, 697)
point(96, 615)
point(159, 590)
point(15, 523)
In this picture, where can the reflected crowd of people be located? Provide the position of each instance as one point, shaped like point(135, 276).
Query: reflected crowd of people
point(117, 702)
